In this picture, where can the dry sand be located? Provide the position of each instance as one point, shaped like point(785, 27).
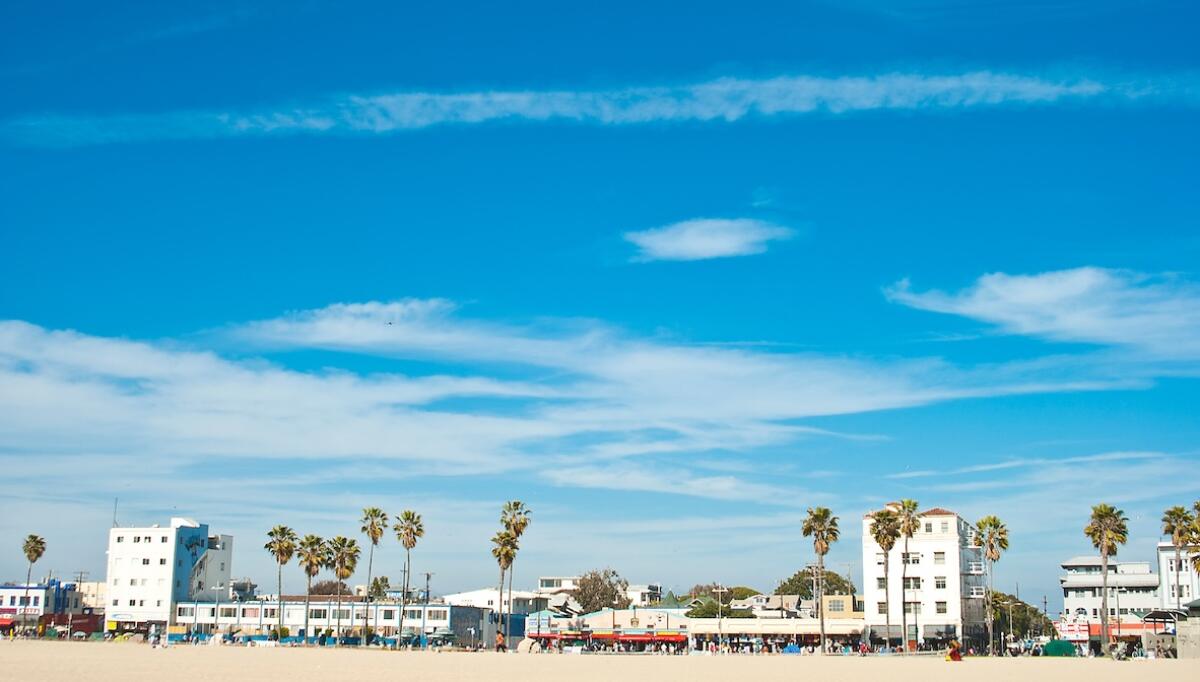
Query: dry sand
point(75, 661)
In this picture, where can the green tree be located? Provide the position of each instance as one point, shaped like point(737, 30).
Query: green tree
point(909, 515)
point(328, 588)
point(601, 589)
point(1021, 619)
point(343, 559)
point(409, 529)
point(514, 516)
point(374, 522)
point(504, 549)
point(822, 526)
point(281, 543)
point(801, 581)
point(742, 592)
point(991, 536)
point(380, 586)
point(885, 530)
point(1107, 529)
point(709, 609)
point(1177, 523)
point(314, 555)
point(33, 547)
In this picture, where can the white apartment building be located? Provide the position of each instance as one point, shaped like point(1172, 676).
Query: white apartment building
point(1189, 579)
point(644, 595)
point(557, 584)
point(1132, 589)
point(944, 591)
point(152, 568)
point(523, 602)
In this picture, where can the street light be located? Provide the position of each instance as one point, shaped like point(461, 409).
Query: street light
point(718, 590)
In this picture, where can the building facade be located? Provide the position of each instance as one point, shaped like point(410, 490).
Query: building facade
point(943, 593)
point(1172, 594)
point(24, 604)
point(1132, 590)
point(150, 569)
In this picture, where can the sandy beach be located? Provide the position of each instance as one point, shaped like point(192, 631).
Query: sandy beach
point(69, 662)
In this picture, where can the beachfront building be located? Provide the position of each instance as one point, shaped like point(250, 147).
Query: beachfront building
point(25, 604)
point(1174, 595)
point(152, 568)
point(557, 584)
point(1133, 591)
point(466, 625)
point(523, 602)
point(93, 594)
point(775, 606)
point(943, 592)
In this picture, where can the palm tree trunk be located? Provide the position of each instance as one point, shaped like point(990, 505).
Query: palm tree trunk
point(28, 577)
point(821, 597)
point(990, 615)
point(887, 601)
point(904, 596)
point(1104, 601)
point(500, 606)
point(404, 595)
point(307, 591)
point(279, 584)
point(510, 599)
point(370, 561)
point(337, 633)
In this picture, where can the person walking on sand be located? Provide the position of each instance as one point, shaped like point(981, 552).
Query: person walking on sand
point(500, 643)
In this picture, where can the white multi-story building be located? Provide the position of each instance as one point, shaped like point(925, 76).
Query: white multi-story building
point(644, 595)
point(1189, 579)
point(557, 584)
point(150, 569)
point(944, 590)
point(523, 603)
point(1132, 589)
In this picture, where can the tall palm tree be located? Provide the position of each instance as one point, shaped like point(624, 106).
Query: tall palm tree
point(504, 549)
point(343, 559)
point(1177, 522)
point(1194, 542)
point(991, 535)
point(909, 516)
point(281, 543)
point(822, 526)
point(409, 529)
point(34, 547)
point(314, 555)
point(515, 518)
point(1107, 530)
point(885, 530)
point(374, 521)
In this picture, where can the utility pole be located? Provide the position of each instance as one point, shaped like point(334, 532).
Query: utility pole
point(425, 610)
point(79, 576)
point(718, 590)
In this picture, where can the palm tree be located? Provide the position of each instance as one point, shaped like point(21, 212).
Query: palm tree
point(885, 530)
point(314, 555)
point(515, 517)
point(343, 559)
point(504, 549)
point(281, 543)
point(374, 521)
point(1194, 534)
point(991, 535)
point(909, 517)
point(1177, 522)
point(34, 547)
point(1107, 530)
point(822, 526)
point(409, 529)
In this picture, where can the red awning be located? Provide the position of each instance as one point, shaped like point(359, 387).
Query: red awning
point(5, 622)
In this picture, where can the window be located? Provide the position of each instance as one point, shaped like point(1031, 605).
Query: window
point(137, 538)
point(145, 562)
point(270, 613)
point(881, 607)
point(881, 583)
point(250, 612)
point(133, 602)
point(910, 558)
point(227, 612)
point(940, 582)
point(945, 526)
point(389, 614)
point(912, 607)
point(939, 558)
point(164, 538)
point(837, 605)
point(941, 606)
point(132, 582)
point(337, 613)
point(114, 602)
point(438, 614)
point(147, 538)
point(317, 613)
point(162, 562)
point(912, 583)
point(120, 538)
point(158, 602)
point(412, 614)
point(879, 559)
point(185, 611)
point(928, 526)
point(977, 591)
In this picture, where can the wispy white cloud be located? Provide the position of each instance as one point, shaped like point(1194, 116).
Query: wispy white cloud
point(723, 99)
point(1157, 315)
point(1027, 462)
point(704, 238)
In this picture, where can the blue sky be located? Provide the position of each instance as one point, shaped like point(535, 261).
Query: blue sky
point(669, 278)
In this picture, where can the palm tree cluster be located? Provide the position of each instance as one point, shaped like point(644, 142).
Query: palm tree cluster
point(341, 555)
point(514, 519)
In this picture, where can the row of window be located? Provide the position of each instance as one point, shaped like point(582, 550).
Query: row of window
point(137, 602)
point(914, 583)
point(913, 558)
point(142, 538)
point(911, 607)
point(23, 601)
point(142, 561)
point(314, 613)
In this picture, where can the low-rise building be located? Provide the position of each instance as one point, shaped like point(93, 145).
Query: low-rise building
point(644, 595)
point(1132, 589)
point(24, 604)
